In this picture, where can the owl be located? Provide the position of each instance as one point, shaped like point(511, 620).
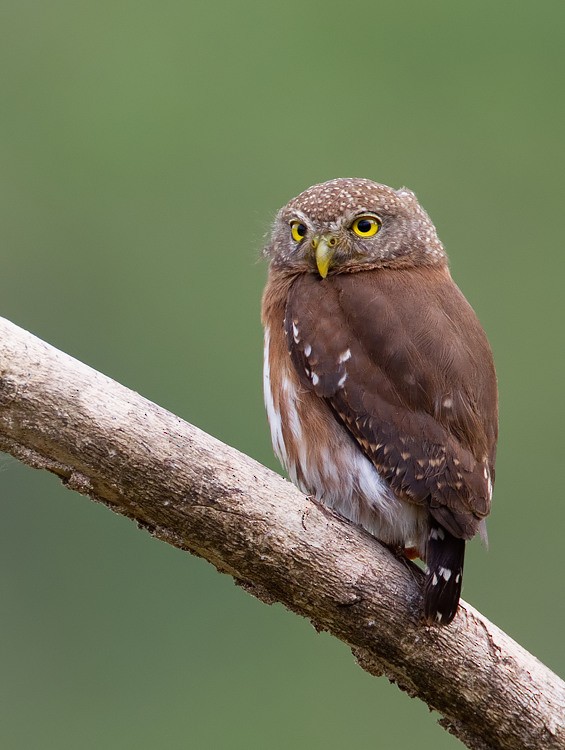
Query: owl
point(379, 381)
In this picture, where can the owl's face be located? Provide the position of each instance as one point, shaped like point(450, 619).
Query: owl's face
point(351, 224)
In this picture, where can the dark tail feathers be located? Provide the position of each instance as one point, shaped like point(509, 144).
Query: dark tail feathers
point(444, 557)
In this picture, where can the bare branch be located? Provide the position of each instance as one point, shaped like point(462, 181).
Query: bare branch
point(196, 493)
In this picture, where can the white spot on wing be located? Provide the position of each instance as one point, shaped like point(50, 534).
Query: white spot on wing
point(295, 332)
point(341, 381)
point(437, 533)
point(344, 356)
point(486, 473)
point(444, 572)
point(315, 379)
point(307, 350)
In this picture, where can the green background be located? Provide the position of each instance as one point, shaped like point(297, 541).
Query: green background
point(145, 147)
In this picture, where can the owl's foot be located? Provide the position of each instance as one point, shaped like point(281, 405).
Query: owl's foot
point(402, 552)
point(411, 553)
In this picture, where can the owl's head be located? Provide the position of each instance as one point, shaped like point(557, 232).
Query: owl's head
point(352, 224)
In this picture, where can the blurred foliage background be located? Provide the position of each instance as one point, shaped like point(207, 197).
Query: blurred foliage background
point(145, 147)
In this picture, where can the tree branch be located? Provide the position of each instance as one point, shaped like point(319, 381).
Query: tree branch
point(200, 495)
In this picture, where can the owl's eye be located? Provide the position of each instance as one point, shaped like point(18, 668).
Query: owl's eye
point(366, 226)
point(298, 231)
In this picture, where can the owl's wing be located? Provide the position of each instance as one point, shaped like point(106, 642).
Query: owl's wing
point(404, 364)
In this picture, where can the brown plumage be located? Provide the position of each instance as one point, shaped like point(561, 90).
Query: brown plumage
point(379, 381)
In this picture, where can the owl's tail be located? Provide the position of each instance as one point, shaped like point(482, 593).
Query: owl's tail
point(444, 559)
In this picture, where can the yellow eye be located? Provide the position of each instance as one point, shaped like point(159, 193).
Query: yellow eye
point(298, 231)
point(366, 226)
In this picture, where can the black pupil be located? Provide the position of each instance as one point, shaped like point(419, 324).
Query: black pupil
point(364, 225)
point(300, 230)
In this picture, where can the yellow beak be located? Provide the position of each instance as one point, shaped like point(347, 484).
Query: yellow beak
point(325, 248)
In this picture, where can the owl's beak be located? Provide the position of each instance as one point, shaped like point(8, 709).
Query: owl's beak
point(324, 246)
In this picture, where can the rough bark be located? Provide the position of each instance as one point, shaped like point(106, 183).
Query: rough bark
point(192, 491)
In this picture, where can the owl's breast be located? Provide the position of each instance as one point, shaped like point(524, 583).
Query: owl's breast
point(323, 460)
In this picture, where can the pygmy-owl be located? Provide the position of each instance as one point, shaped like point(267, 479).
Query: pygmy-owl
point(379, 381)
